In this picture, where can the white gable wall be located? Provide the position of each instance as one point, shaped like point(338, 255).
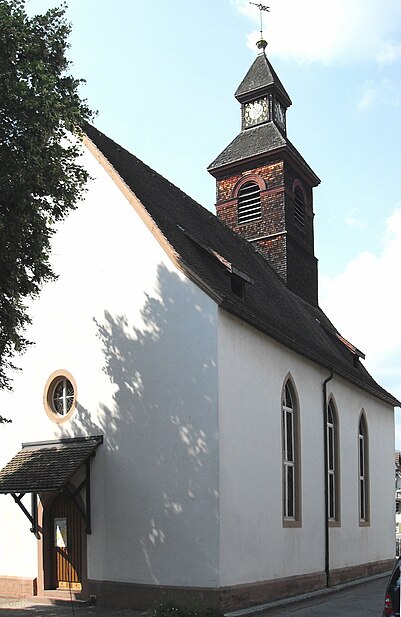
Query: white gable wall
point(140, 341)
point(168, 507)
point(254, 544)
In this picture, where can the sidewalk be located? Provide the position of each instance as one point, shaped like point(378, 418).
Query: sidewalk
point(323, 595)
point(26, 608)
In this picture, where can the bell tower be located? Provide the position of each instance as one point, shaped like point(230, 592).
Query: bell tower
point(264, 186)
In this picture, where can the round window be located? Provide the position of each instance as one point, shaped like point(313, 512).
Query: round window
point(60, 396)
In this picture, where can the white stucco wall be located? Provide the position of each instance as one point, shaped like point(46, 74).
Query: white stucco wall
point(18, 554)
point(140, 341)
point(254, 545)
point(351, 543)
point(142, 344)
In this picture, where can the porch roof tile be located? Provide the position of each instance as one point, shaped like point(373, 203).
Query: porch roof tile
point(46, 466)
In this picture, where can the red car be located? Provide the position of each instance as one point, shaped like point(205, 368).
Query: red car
point(392, 597)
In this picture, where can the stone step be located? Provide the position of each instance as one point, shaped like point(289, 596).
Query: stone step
point(61, 596)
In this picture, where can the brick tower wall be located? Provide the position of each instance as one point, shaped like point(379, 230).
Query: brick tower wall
point(272, 201)
point(276, 235)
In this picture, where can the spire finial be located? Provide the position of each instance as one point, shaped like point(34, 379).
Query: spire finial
point(261, 44)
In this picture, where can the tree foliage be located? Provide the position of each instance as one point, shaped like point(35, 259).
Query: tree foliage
point(41, 179)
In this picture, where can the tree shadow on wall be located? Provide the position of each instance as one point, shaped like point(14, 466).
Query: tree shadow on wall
point(160, 457)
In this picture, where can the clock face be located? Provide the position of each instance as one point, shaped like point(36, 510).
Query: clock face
point(279, 114)
point(256, 112)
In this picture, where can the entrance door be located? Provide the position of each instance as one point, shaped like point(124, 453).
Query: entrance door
point(66, 545)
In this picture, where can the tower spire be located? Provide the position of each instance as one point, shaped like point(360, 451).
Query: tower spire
point(264, 187)
point(261, 43)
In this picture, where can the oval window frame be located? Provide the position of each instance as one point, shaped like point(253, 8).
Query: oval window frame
point(50, 386)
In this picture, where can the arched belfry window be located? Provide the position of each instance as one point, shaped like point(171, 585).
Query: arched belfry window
point(363, 469)
point(333, 496)
point(299, 207)
point(291, 475)
point(249, 205)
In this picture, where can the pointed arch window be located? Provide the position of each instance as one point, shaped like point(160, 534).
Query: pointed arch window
point(363, 469)
point(299, 207)
point(333, 497)
point(291, 475)
point(249, 204)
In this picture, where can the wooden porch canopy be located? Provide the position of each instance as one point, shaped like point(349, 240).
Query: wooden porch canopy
point(47, 466)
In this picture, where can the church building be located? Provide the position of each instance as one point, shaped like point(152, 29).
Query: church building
point(189, 426)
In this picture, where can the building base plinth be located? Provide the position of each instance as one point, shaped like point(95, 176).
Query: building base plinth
point(225, 599)
point(17, 587)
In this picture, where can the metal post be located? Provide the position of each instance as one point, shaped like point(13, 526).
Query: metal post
point(88, 497)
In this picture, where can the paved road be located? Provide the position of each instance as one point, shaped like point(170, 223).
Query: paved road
point(363, 600)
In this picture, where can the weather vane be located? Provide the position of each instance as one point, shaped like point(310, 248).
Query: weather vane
point(261, 7)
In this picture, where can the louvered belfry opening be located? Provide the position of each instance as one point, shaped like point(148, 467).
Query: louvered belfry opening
point(249, 206)
point(299, 207)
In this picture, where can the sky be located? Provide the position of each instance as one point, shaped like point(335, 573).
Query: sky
point(162, 75)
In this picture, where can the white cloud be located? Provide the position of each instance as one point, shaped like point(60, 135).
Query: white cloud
point(382, 92)
point(351, 221)
point(370, 97)
point(390, 52)
point(364, 303)
point(313, 30)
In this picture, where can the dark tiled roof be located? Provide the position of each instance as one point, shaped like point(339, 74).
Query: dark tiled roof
point(261, 76)
point(204, 248)
point(249, 143)
point(45, 466)
point(255, 142)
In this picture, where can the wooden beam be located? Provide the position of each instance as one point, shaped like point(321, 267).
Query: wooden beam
point(33, 518)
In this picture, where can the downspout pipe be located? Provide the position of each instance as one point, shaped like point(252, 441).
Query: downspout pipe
point(326, 484)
